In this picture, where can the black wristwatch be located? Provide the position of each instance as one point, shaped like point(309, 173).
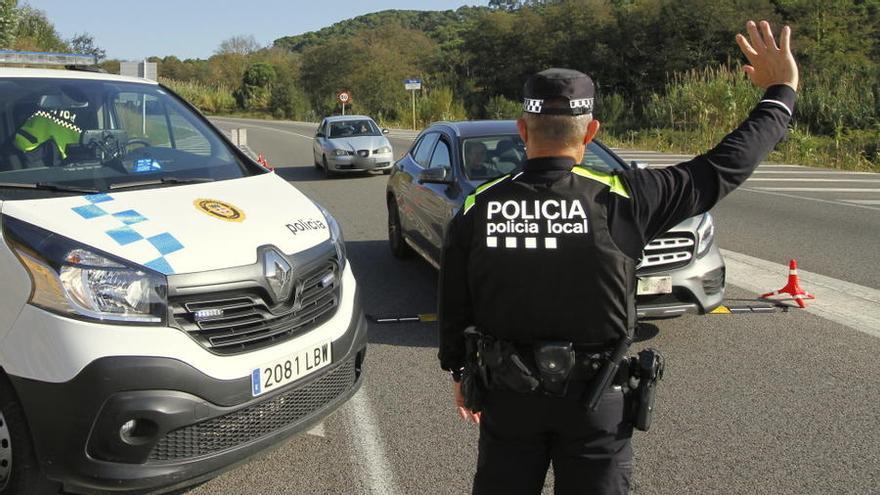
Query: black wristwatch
point(456, 375)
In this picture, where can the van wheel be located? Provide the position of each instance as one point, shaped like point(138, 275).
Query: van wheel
point(19, 470)
point(399, 248)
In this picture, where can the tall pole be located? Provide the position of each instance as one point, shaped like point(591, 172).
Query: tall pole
point(144, 103)
point(414, 108)
point(343, 108)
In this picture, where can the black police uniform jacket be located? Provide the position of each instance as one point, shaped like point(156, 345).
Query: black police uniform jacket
point(550, 253)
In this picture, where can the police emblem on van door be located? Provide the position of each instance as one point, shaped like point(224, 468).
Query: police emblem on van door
point(219, 209)
point(279, 275)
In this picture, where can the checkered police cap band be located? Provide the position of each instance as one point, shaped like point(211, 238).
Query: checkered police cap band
point(581, 106)
point(559, 92)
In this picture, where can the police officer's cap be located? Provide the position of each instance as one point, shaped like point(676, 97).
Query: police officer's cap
point(559, 85)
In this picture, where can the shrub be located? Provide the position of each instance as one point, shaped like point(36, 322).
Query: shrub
point(208, 99)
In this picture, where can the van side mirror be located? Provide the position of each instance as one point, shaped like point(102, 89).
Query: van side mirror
point(319, 134)
point(438, 175)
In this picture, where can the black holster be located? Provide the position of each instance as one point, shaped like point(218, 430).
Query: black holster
point(648, 367)
point(506, 368)
point(474, 377)
point(555, 362)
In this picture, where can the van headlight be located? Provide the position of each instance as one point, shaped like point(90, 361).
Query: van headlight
point(335, 236)
point(705, 235)
point(72, 279)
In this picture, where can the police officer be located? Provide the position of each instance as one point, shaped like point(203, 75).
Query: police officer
point(543, 262)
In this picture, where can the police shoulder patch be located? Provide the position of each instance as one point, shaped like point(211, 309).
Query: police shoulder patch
point(472, 197)
point(611, 180)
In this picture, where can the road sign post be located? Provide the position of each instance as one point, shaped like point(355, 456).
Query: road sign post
point(413, 85)
point(343, 97)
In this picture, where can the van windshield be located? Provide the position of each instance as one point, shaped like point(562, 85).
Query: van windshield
point(73, 134)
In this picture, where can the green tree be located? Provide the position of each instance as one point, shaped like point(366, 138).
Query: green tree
point(239, 45)
point(85, 43)
point(35, 32)
point(256, 87)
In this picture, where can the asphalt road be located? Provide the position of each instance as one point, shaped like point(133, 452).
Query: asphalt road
point(782, 403)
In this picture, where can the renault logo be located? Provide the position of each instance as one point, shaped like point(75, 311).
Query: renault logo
point(279, 275)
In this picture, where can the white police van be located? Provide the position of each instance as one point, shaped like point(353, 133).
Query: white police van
point(168, 307)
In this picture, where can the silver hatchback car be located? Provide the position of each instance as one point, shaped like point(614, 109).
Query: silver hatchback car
point(681, 271)
point(351, 143)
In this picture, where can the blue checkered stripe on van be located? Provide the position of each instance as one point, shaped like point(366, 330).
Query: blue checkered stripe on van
point(126, 233)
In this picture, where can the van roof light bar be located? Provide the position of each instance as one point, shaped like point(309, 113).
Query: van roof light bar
point(46, 58)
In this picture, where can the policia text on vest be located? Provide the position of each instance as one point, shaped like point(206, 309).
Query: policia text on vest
point(542, 265)
point(542, 220)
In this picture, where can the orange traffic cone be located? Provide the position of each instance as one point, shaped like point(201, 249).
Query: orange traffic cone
point(793, 287)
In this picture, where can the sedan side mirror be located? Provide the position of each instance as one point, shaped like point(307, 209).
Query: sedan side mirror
point(438, 175)
point(638, 165)
point(319, 134)
point(385, 131)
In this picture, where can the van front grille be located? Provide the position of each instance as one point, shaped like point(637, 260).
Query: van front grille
point(239, 321)
point(256, 421)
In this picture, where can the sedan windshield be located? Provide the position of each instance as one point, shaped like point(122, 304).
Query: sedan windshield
point(487, 157)
point(72, 134)
point(351, 128)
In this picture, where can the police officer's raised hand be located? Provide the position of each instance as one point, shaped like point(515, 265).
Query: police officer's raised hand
point(465, 413)
point(769, 63)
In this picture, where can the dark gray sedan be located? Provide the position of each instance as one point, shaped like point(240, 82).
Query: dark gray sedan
point(681, 271)
point(351, 143)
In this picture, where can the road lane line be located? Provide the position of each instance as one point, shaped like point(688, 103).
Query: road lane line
point(852, 305)
point(810, 179)
point(317, 430)
point(819, 189)
point(805, 198)
point(863, 201)
point(270, 129)
point(812, 172)
point(370, 447)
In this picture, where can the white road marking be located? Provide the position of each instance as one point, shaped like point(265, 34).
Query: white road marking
point(370, 448)
point(317, 430)
point(811, 172)
point(852, 305)
point(815, 200)
point(774, 165)
point(820, 189)
point(863, 201)
point(268, 129)
point(810, 179)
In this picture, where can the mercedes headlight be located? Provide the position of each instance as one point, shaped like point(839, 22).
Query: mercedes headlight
point(341, 152)
point(705, 235)
point(383, 149)
point(335, 236)
point(72, 279)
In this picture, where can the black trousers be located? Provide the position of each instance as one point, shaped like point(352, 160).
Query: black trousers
point(520, 435)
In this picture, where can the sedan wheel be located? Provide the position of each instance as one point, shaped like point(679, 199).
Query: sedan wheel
point(327, 172)
point(399, 248)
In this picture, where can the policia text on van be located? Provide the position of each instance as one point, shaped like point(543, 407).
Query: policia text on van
point(167, 307)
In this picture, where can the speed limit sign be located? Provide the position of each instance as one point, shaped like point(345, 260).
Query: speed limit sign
point(344, 97)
